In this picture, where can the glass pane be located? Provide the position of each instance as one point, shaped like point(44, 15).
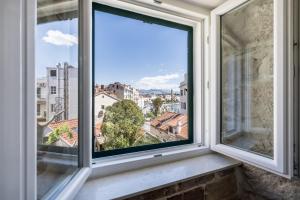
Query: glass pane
point(247, 77)
point(140, 81)
point(57, 93)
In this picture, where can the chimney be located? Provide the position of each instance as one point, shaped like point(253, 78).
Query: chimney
point(178, 127)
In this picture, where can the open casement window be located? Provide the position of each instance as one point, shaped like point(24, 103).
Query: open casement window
point(248, 79)
point(140, 102)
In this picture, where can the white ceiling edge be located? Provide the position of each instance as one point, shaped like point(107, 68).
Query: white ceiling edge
point(207, 4)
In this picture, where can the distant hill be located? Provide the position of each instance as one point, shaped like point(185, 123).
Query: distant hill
point(156, 92)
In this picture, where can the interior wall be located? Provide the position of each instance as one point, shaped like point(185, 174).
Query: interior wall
point(258, 184)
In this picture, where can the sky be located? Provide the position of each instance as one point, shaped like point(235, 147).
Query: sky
point(146, 56)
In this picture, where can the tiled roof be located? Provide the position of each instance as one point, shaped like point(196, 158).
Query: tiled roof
point(164, 117)
point(107, 94)
point(71, 141)
point(184, 132)
point(170, 119)
point(180, 118)
point(72, 125)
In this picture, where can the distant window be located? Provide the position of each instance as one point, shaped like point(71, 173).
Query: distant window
point(38, 109)
point(53, 89)
point(38, 92)
point(102, 106)
point(170, 129)
point(53, 73)
point(100, 114)
point(102, 96)
point(52, 107)
point(181, 92)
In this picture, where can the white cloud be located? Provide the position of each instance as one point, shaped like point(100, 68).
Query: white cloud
point(60, 39)
point(158, 82)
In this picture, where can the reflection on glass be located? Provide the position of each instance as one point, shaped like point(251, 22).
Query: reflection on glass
point(57, 93)
point(247, 77)
point(140, 82)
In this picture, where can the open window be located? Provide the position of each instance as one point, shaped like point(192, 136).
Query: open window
point(249, 84)
point(140, 66)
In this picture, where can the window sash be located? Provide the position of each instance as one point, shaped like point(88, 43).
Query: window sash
point(280, 87)
point(99, 6)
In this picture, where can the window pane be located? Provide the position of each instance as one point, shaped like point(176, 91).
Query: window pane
point(57, 93)
point(247, 77)
point(141, 85)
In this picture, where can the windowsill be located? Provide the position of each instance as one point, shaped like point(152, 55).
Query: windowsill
point(133, 182)
point(120, 163)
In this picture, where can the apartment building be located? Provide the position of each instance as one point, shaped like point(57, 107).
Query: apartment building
point(102, 101)
point(42, 96)
point(123, 91)
point(183, 95)
point(58, 92)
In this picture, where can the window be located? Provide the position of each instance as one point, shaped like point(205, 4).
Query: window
point(38, 110)
point(102, 106)
point(52, 106)
point(38, 92)
point(248, 84)
point(57, 132)
point(53, 73)
point(53, 90)
point(142, 57)
point(247, 79)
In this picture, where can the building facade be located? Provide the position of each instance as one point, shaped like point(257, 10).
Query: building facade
point(123, 91)
point(102, 101)
point(58, 93)
point(183, 95)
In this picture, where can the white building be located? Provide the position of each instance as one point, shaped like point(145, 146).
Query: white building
point(123, 91)
point(42, 97)
point(183, 95)
point(57, 92)
point(102, 100)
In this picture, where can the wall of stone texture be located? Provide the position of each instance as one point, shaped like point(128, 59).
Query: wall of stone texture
point(258, 184)
point(220, 185)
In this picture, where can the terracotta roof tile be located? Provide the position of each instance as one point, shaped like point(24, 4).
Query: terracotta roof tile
point(165, 116)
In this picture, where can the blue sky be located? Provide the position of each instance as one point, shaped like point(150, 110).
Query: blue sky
point(147, 56)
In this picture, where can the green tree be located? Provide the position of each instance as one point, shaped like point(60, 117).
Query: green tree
point(122, 124)
point(56, 133)
point(150, 115)
point(157, 103)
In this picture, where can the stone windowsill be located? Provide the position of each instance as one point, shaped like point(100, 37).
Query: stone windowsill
point(135, 182)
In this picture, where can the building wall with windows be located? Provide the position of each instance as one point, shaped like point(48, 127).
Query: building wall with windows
point(57, 92)
point(102, 101)
point(123, 91)
point(183, 95)
point(42, 95)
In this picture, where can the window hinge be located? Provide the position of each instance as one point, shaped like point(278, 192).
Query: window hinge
point(207, 84)
point(207, 39)
point(157, 155)
point(157, 1)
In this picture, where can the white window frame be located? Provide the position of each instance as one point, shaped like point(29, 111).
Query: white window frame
point(24, 153)
point(200, 23)
point(280, 162)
